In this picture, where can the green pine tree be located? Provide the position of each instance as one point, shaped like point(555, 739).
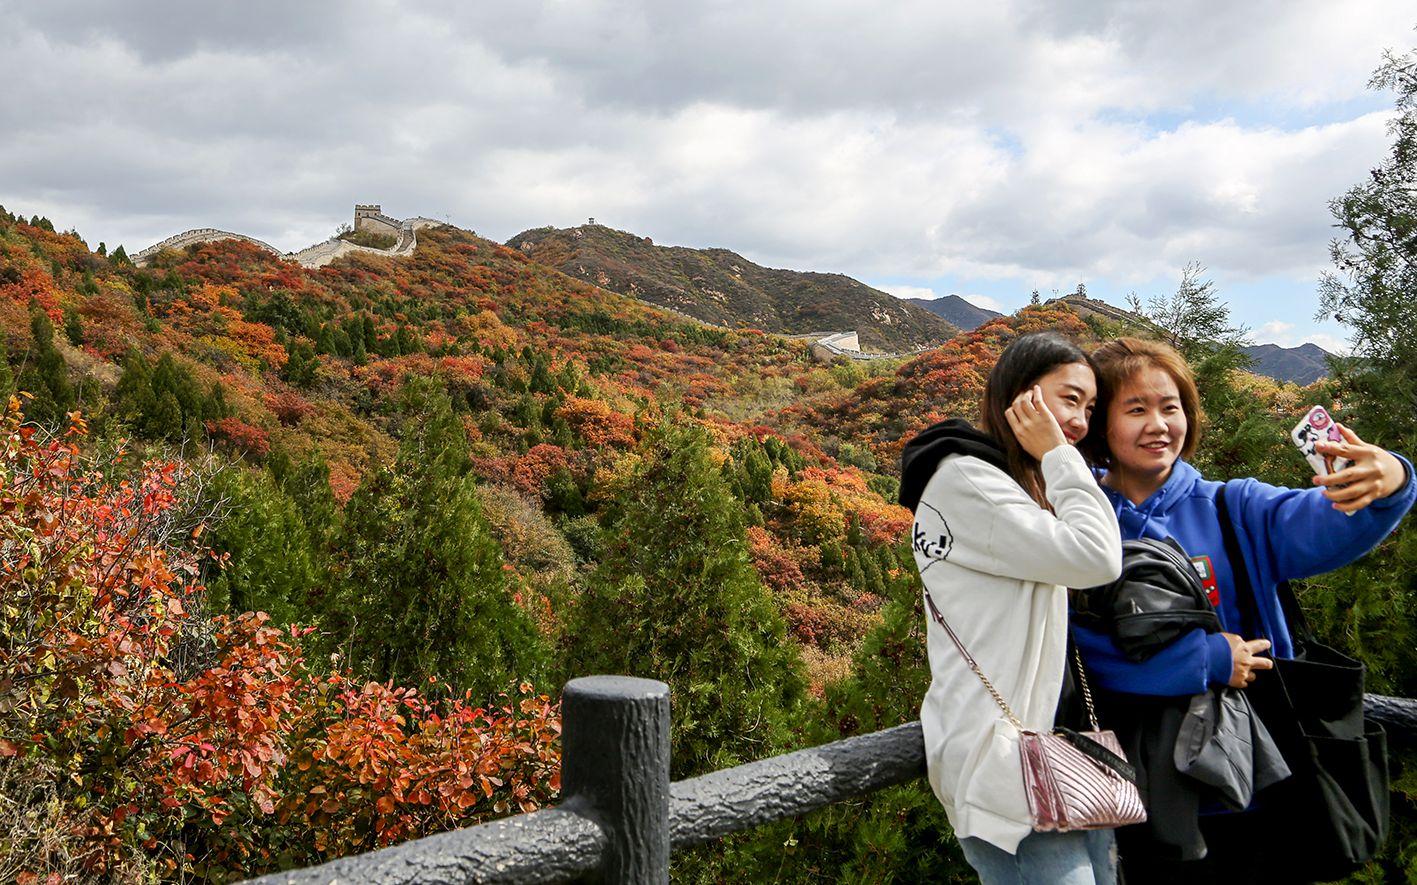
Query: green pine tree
point(676, 598)
point(420, 588)
point(7, 378)
point(274, 564)
point(45, 376)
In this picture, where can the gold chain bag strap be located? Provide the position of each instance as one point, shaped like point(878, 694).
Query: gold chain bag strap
point(1073, 780)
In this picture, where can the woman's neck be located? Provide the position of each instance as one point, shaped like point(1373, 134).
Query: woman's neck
point(1135, 487)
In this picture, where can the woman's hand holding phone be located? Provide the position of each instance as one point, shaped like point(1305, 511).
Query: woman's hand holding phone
point(1374, 473)
point(1034, 427)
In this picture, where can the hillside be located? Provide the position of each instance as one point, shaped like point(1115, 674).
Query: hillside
point(726, 289)
point(555, 382)
point(1303, 365)
point(956, 311)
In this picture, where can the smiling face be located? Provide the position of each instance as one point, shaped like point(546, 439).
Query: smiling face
point(1146, 427)
point(1070, 392)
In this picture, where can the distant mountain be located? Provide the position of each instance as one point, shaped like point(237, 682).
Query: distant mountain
point(956, 311)
point(1304, 364)
point(724, 288)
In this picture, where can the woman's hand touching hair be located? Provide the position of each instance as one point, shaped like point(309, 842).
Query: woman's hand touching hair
point(1034, 427)
point(1374, 473)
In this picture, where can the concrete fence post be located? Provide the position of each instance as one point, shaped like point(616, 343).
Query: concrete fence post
point(615, 760)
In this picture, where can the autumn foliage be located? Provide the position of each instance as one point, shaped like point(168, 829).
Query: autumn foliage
point(140, 737)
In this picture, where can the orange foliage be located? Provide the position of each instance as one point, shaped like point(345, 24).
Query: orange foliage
point(288, 406)
point(530, 472)
point(597, 423)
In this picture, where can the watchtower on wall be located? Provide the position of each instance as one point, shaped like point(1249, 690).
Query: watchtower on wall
point(370, 217)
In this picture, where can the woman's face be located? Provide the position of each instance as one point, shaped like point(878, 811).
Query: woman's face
point(1070, 392)
point(1146, 426)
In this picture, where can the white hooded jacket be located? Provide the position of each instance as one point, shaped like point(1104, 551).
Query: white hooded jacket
point(997, 566)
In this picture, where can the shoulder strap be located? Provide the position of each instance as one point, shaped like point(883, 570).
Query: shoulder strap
point(994, 692)
point(1244, 589)
point(973, 665)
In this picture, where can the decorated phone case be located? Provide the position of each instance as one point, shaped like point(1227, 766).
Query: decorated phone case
point(1318, 426)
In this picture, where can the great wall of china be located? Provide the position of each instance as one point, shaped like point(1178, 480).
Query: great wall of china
point(367, 217)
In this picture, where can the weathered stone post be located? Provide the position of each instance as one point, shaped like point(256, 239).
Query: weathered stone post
point(615, 759)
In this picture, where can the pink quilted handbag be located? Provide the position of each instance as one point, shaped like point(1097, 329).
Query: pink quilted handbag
point(1073, 780)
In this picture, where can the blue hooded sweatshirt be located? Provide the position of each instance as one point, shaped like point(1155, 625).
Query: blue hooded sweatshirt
point(1286, 534)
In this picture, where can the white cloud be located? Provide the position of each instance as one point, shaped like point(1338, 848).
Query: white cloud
point(1277, 332)
point(911, 292)
point(985, 302)
point(1285, 335)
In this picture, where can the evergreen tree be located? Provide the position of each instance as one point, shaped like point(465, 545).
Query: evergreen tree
point(74, 327)
point(419, 581)
point(133, 396)
point(1369, 608)
point(45, 376)
point(274, 563)
point(1375, 280)
point(676, 598)
point(120, 256)
point(301, 364)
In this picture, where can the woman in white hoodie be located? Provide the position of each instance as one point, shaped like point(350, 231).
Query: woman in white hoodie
point(1007, 517)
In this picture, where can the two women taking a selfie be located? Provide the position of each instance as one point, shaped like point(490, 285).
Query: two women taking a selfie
point(1009, 516)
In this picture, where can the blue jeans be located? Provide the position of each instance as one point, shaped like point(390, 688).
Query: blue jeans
point(1078, 858)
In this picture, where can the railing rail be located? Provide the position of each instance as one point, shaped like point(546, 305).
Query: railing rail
point(622, 816)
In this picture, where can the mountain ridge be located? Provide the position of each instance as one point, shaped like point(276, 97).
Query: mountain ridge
point(956, 311)
point(721, 287)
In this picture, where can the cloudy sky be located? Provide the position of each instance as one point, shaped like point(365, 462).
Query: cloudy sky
point(927, 148)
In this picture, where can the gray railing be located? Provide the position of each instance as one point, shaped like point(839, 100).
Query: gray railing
point(622, 817)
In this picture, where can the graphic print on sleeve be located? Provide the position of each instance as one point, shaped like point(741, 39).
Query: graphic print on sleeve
point(933, 542)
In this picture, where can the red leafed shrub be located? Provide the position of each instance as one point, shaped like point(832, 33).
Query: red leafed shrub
point(392, 765)
point(531, 471)
point(288, 406)
point(241, 436)
point(778, 568)
point(806, 623)
point(143, 740)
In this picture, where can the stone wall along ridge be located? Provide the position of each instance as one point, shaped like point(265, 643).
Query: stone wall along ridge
point(198, 235)
point(317, 255)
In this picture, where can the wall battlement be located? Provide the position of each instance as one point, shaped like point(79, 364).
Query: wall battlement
point(367, 216)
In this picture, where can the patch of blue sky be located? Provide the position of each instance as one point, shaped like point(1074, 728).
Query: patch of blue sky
point(1269, 113)
point(1005, 140)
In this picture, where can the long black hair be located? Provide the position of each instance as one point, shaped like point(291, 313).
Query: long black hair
point(1022, 363)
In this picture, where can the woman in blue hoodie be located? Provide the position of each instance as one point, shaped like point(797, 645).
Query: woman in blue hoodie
point(1147, 428)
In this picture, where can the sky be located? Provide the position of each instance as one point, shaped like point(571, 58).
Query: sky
point(926, 148)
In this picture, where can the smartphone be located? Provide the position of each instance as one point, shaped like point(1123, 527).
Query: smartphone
point(1318, 426)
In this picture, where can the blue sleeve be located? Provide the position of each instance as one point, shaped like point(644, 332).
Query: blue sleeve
point(1187, 666)
point(1300, 535)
